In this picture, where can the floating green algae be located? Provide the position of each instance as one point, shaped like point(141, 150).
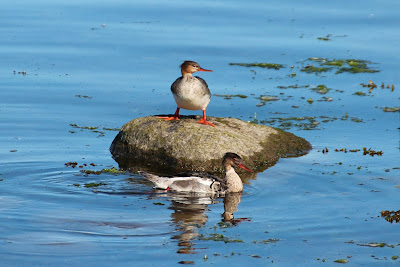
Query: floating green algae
point(267, 98)
point(220, 237)
point(260, 65)
point(295, 86)
point(111, 129)
point(113, 170)
point(341, 261)
point(266, 241)
point(356, 66)
point(326, 38)
point(94, 129)
point(231, 96)
point(338, 63)
point(341, 66)
point(321, 89)
point(393, 109)
point(360, 93)
point(84, 127)
point(313, 69)
point(87, 172)
point(90, 185)
point(304, 123)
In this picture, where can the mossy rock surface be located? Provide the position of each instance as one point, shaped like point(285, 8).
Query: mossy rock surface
point(174, 146)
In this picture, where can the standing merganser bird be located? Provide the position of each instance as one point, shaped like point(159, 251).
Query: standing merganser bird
point(190, 92)
point(204, 182)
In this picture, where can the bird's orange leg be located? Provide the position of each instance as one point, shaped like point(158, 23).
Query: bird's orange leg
point(173, 118)
point(204, 120)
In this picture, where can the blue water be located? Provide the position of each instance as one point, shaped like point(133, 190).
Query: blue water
point(104, 63)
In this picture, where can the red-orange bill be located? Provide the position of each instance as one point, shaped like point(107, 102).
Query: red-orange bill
point(203, 69)
point(244, 167)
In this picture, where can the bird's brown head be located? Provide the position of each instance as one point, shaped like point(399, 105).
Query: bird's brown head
point(232, 160)
point(189, 67)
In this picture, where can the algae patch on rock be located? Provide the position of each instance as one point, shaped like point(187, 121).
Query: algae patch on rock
point(184, 145)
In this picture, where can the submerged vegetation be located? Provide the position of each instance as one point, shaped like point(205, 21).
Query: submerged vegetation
point(220, 237)
point(113, 170)
point(365, 151)
point(266, 98)
point(94, 129)
point(341, 261)
point(306, 122)
point(74, 164)
point(321, 89)
point(91, 185)
point(359, 93)
point(260, 65)
point(340, 65)
point(393, 109)
point(231, 96)
point(83, 96)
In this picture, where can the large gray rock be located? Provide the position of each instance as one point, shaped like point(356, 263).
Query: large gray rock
point(174, 146)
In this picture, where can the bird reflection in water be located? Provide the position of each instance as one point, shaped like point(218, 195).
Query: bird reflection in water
point(190, 214)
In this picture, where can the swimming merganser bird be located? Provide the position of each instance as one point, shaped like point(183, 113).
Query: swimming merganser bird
point(190, 92)
point(204, 182)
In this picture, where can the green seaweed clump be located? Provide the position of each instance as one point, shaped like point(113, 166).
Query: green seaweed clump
point(267, 98)
point(394, 109)
point(230, 96)
point(321, 89)
point(357, 66)
point(113, 170)
point(87, 172)
point(267, 241)
point(343, 65)
point(90, 185)
point(337, 63)
point(111, 129)
point(341, 261)
point(360, 93)
point(326, 38)
point(220, 237)
point(304, 123)
point(84, 127)
point(313, 69)
point(261, 65)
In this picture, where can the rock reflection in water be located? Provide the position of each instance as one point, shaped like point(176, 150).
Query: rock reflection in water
point(190, 214)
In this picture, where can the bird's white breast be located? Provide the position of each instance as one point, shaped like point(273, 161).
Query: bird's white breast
point(191, 93)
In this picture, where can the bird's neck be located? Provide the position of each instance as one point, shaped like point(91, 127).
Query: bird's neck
point(186, 74)
point(232, 179)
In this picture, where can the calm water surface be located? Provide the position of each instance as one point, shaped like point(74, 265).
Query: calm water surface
point(67, 66)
